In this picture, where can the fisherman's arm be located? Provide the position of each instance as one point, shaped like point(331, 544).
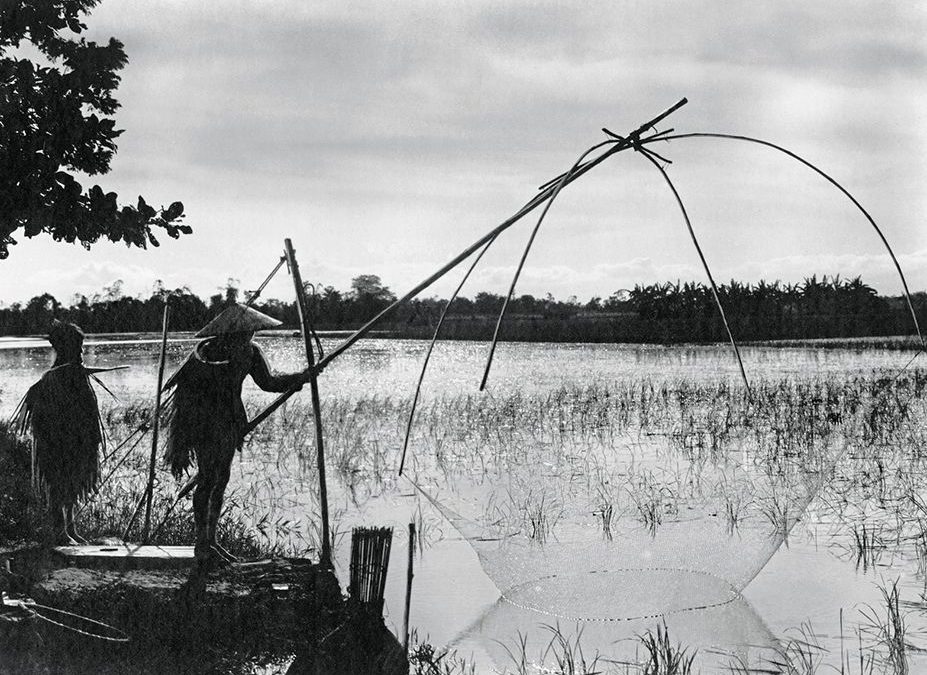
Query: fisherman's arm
point(268, 380)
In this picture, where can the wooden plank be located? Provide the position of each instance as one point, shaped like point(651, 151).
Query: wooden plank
point(127, 556)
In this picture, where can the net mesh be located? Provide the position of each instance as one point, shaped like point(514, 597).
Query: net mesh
point(656, 545)
point(610, 509)
point(656, 517)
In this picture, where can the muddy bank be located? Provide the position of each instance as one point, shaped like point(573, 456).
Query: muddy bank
point(285, 615)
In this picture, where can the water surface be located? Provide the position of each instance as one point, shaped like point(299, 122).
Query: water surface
point(454, 602)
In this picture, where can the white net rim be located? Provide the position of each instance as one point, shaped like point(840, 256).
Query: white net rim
point(727, 594)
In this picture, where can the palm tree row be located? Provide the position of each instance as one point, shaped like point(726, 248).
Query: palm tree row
point(829, 307)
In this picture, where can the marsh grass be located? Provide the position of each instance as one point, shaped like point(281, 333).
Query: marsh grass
point(426, 659)
point(563, 654)
point(653, 499)
point(868, 546)
point(532, 513)
point(641, 449)
point(664, 657)
point(735, 501)
point(800, 653)
point(428, 530)
point(882, 644)
point(888, 630)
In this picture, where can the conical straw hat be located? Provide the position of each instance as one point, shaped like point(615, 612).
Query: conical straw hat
point(238, 319)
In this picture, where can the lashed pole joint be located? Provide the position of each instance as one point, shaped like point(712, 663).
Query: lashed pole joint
point(544, 194)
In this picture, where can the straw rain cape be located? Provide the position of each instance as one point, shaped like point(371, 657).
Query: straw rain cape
point(62, 412)
point(205, 413)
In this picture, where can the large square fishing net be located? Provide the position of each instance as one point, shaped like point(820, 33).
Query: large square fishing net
point(651, 505)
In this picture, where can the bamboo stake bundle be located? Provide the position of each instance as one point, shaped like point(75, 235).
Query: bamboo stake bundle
point(370, 548)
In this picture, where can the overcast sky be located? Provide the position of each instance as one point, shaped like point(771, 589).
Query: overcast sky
point(383, 138)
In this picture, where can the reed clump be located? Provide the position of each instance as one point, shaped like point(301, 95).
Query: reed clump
point(664, 657)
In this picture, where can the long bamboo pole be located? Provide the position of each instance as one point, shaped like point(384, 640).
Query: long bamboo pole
point(326, 555)
point(701, 256)
point(537, 200)
point(622, 143)
point(559, 185)
point(431, 346)
point(155, 420)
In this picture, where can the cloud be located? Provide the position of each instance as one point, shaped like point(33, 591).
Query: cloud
point(386, 135)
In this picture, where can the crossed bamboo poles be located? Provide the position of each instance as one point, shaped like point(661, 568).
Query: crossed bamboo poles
point(636, 140)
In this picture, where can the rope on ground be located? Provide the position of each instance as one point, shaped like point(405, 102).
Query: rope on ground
point(33, 608)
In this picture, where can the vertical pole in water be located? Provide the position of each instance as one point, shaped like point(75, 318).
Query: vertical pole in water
point(325, 557)
point(409, 575)
point(155, 421)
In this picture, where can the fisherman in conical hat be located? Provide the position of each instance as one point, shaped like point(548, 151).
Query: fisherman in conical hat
point(61, 411)
point(207, 416)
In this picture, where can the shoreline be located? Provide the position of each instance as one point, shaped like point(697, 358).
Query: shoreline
point(892, 342)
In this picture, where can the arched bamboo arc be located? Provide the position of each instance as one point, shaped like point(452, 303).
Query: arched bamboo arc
point(431, 346)
point(698, 248)
point(532, 204)
point(620, 145)
point(832, 181)
point(564, 179)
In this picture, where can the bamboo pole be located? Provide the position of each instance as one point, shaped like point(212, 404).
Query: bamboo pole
point(326, 555)
point(621, 143)
point(537, 200)
point(155, 421)
point(409, 575)
point(701, 256)
point(431, 346)
point(138, 509)
point(524, 256)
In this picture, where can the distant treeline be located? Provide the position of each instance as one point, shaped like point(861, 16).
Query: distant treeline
point(662, 313)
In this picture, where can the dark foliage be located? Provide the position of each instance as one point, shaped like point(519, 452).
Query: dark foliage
point(16, 521)
point(659, 313)
point(56, 122)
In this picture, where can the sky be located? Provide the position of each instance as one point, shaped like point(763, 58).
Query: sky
point(384, 138)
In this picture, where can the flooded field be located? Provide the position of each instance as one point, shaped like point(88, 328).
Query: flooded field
point(594, 497)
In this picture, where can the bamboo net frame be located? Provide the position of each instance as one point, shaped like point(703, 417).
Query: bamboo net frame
point(550, 191)
point(829, 179)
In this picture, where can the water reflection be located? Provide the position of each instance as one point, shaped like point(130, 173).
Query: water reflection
point(730, 634)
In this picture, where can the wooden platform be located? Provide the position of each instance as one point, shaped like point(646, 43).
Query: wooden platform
point(126, 556)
